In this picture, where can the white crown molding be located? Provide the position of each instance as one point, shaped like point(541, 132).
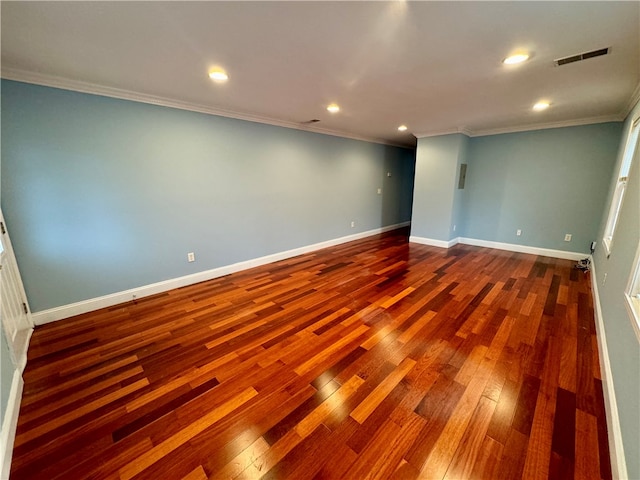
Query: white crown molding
point(530, 127)
point(439, 133)
point(95, 89)
point(546, 126)
point(635, 98)
point(24, 76)
point(58, 313)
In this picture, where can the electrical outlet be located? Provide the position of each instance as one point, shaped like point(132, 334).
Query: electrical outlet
point(379, 191)
point(518, 232)
point(567, 237)
point(388, 174)
point(454, 228)
point(191, 257)
point(604, 279)
point(353, 224)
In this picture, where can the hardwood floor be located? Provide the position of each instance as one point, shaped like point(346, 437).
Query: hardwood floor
point(372, 359)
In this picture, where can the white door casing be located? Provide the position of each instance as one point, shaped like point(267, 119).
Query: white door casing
point(14, 308)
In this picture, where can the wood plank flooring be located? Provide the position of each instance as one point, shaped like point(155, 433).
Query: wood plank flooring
point(372, 359)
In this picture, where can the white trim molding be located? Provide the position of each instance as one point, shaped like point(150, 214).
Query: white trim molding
point(9, 424)
point(78, 308)
point(632, 295)
point(433, 242)
point(616, 447)
point(635, 98)
point(22, 360)
point(544, 126)
point(440, 133)
point(512, 247)
point(105, 91)
point(530, 127)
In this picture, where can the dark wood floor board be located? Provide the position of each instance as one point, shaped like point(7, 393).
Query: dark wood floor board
point(339, 461)
point(75, 396)
point(568, 363)
point(496, 381)
point(470, 444)
point(436, 407)
point(539, 448)
point(348, 405)
point(487, 460)
point(587, 458)
point(325, 453)
point(382, 412)
point(303, 459)
point(242, 430)
point(257, 379)
point(298, 414)
point(383, 453)
point(35, 456)
point(443, 451)
point(37, 432)
point(514, 454)
point(90, 462)
point(52, 386)
point(371, 359)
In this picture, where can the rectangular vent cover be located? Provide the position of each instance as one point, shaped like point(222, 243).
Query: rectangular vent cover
point(582, 56)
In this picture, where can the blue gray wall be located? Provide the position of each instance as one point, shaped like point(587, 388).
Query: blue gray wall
point(6, 369)
point(459, 213)
point(623, 344)
point(546, 183)
point(104, 195)
point(437, 200)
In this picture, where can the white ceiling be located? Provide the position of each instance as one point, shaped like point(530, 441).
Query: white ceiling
point(434, 66)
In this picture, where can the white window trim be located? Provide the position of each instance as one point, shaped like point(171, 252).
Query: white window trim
point(632, 294)
point(617, 198)
point(614, 213)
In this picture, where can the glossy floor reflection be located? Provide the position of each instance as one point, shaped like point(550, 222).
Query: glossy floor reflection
point(372, 359)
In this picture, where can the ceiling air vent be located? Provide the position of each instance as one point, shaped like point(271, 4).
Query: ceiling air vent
point(581, 56)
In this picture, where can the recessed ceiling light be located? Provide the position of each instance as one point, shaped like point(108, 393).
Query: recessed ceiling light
point(541, 106)
point(333, 108)
point(402, 128)
point(218, 76)
point(517, 58)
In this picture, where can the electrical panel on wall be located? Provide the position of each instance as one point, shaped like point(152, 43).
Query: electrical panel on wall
point(463, 175)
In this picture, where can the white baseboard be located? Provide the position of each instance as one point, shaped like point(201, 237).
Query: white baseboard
point(22, 360)
point(9, 424)
point(512, 247)
point(65, 311)
point(616, 448)
point(433, 242)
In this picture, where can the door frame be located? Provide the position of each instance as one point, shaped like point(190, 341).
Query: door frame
point(10, 262)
